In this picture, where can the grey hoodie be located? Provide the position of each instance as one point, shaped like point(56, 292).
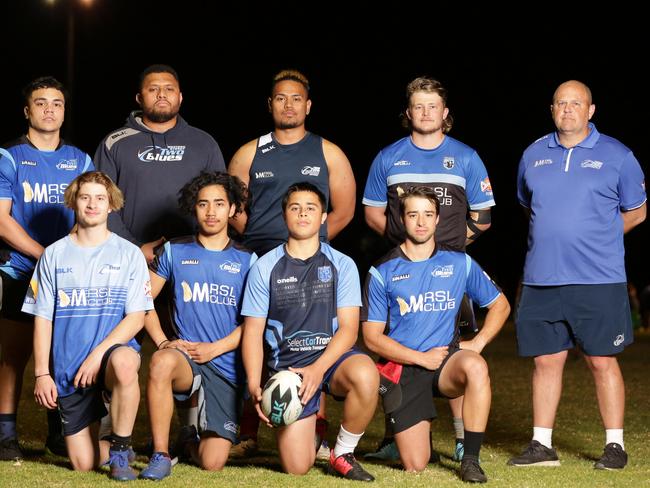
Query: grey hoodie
point(150, 168)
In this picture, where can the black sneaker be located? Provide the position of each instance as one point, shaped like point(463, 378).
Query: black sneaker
point(434, 457)
point(614, 457)
point(187, 435)
point(55, 444)
point(10, 450)
point(471, 471)
point(347, 467)
point(536, 454)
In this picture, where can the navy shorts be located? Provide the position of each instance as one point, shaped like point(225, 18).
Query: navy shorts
point(220, 402)
point(13, 296)
point(418, 386)
point(314, 404)
point(596, 318)
point(86, 405)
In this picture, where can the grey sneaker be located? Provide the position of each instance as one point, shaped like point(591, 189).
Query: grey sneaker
point(536, 454)
point(614, 457)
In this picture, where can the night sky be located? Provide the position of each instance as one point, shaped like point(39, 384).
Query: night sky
point(500, 74)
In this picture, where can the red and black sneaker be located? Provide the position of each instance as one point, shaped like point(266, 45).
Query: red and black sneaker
point(347, 467)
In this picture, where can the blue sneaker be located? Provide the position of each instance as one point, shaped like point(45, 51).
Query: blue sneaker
point(458, 452)
point(160, 466)
point(130, 456)
point(387, 452)
point(120, 469)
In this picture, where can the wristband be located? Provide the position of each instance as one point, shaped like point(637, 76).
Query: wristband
point(44, 374)
point(158, 346)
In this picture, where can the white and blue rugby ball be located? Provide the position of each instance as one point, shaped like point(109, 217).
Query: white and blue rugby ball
point(280, 400)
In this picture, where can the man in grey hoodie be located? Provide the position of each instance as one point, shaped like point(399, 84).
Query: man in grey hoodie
point(151, 158)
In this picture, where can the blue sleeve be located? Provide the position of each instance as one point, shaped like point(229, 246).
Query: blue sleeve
point(631, 184)
point(256, 294)
point(7, 175)
point(376, 192)
point(480, 286)
point(522, 191)
point(348, 291)
point(162, 261)
point(138, 296)
point(375, 299)
point(477, 184)
point(41, 299)
point(88, 164)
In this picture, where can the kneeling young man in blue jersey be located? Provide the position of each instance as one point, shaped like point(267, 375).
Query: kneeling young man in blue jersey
point(207, 272)
point(89, 294)
point(307, 289)
point(417, 288)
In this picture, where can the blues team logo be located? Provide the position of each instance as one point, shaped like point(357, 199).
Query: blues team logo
point(324, 274)
point(157, 153)
point(67, 164)
point(448, 162)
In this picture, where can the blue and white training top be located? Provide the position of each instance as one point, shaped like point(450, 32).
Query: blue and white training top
point(575, 197)
point(299, 299)
point(208, 287)
point(453, 170)
point(420, 299)
point(35, 181)
point(86, 292)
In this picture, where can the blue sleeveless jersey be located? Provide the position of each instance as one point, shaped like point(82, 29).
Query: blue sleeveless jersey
point(35, 181)
point(299, 299)
point(453, 170)
point(207, 291)
point(420, 299)
point(86, 292)
point(274, 169)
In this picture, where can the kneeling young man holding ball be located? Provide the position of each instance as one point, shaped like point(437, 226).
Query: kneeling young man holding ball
point(301, 305)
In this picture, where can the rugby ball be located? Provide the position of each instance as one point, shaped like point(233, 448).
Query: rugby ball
point(280, 400)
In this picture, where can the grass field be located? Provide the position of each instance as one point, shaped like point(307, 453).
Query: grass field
point(578, 437)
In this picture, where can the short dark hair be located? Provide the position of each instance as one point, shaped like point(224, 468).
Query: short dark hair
point(293, 75)
point(232, 185)
point(419, 192)
point(157, 68)
point(304, 186)
point(43, 82)
point(427, 85)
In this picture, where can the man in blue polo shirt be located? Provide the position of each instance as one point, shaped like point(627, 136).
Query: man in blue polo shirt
point(582, 191)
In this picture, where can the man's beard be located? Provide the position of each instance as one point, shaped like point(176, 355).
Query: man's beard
point(288, 125)
point(160, 117)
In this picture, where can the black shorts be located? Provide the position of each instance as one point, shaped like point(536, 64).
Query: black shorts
point(220, 403)
point(85, 406)
point(418, 386)
point(13, 296)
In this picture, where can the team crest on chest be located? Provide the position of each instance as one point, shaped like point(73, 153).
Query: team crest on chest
point(448, 162)
point(324, 274)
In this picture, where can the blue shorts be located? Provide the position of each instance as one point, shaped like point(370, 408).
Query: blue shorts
point(596, 318)
point(314, 404)
point(85, 406)
point(220, 402)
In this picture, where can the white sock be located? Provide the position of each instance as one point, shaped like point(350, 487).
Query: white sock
point(543, 436)
point(345, 442)
point(614, 435)
point(459, 428)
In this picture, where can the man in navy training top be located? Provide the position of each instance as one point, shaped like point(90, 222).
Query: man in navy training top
point(302, 302)
point(207, 272)
point(89, 295)
point(430, 157)
point(35, 170)
point(269, 165)
point(417, 288)
point(582, 191)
